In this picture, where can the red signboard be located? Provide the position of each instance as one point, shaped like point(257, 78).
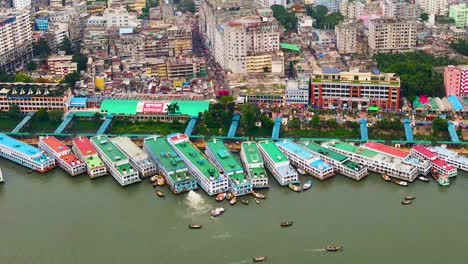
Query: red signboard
point(153, 108)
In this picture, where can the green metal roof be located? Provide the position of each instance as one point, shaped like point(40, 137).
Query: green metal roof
point(323, 151)
point(93, 161)
point(353, 149)
point(251, 152)
point(192, 108)
point(225, 158)
point(168, 158)
point(119, 107)
point(197, 159)
point(273, 151)
point(111, 152)
point(290, 47)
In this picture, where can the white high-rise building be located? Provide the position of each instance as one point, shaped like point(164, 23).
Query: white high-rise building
point(346, 37)
point(21, 4)
point(436, 7)
point(16, 39)
point(392, 35)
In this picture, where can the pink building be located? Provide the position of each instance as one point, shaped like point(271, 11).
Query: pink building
point(456, 80)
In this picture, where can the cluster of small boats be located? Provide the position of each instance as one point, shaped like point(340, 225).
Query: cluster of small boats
point(408, 200)
point(233, 199)
point(298, 188)
point(403, 183)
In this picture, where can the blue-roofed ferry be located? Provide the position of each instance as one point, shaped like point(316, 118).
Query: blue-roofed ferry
point(305, 160)
point(25, 154)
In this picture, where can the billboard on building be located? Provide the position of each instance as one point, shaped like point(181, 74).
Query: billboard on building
point(152, 107)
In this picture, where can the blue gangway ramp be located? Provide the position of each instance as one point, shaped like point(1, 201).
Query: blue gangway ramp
point(23, 122)
point(276, 128)
point(453, 132)
point(105, 124)
point(68, 118)
point(363, 128)
point(408, 130)
point(190, 126)
point(234, 124)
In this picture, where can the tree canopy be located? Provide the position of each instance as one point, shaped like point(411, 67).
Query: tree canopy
point(81, 61)
point(66, 46)
point(145, 10)
point(23, 77)
point(185, 5)
point(42, 49)
point(287, 19)
point(460, 46)
point(439, 125)
point(31, 66)
point(424, 16)
point(71, 78)
point(415, 71)
point(322, 20)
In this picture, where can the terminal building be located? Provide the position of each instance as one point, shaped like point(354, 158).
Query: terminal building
point(331, 89)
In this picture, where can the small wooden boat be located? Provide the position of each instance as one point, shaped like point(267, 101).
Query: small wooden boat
point(301, 171)
point(161, 181)
point(401, 183)
point(422, 178)
point(160, 193)
point(286, 223)
point(386, 178)
point(257, 201)
point(334, 248)
point(229, 196)
point(194, 226)
point(410, 197)
point(220, 197)
point(233, 201)
point(307, 185)
point(259, 259)
point(406, 202)
point(294, 187)
point(244, 201)
point(258, 195)
point(154, 178)
point(217, 212)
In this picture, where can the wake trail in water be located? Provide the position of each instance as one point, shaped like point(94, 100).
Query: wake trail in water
point(240, 262)
point(197, 205)
point(314, 249)
point(222, 236)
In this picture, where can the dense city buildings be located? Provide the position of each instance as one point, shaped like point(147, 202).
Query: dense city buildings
point(460, 14)
point(456, 80)
point(61, 65)
point(392, 35)
point(433, 7)
point(269, 3)
point(21, 4)
point(16, 39)
point(332, 89)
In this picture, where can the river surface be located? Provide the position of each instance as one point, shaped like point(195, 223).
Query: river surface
point(55, 218)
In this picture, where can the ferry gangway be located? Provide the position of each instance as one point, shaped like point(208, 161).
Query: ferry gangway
point(190, 126)
point(105, 124)
point(234, 124)
point(66, 121)
point(452, 132)
point(23, 122)
point(363, 129)
point(276, 129)
point(408, 130)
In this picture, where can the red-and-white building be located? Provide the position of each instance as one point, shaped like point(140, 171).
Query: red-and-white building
point(62, 154)
point(61, 65)
point(440, 165)
point(331, 88)
point(456, 80)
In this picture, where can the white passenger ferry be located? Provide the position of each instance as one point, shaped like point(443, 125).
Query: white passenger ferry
point(138, 158)
point(451, 157)
point(305, 160)
point(277, 163)
point(63, 155)
point(253, 164)
point(85, 151)
point(440, 165)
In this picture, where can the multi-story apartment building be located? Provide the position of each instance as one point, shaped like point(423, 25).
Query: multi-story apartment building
point(268, 3)
point(119, 17)
point(175, 68)
point(244, 43)
point(332, 5)
point(16, 39)
point(61, 65)
point(31, 97)
point(21, 4)
point(400, 10)
point(436, 7)
point(459, 13)
point(456, 80)
point(297, 92)
point(354, 9)
point(331, 88)
point(346, 36)
point(392, 35)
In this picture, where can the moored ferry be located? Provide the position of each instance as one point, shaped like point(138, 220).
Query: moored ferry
point(170, 164)
point(277, 163)
point(341, 163)
point(207, 175)
point(220, 155)
point(375, 161)
point(441, 166)
point(85, 151)
point(138, 158)
point(62, 154)
point(253, 164)
point(117, 163)
point(424, 166)
point(451, 157)
point(305, 160)
point(25, 154)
